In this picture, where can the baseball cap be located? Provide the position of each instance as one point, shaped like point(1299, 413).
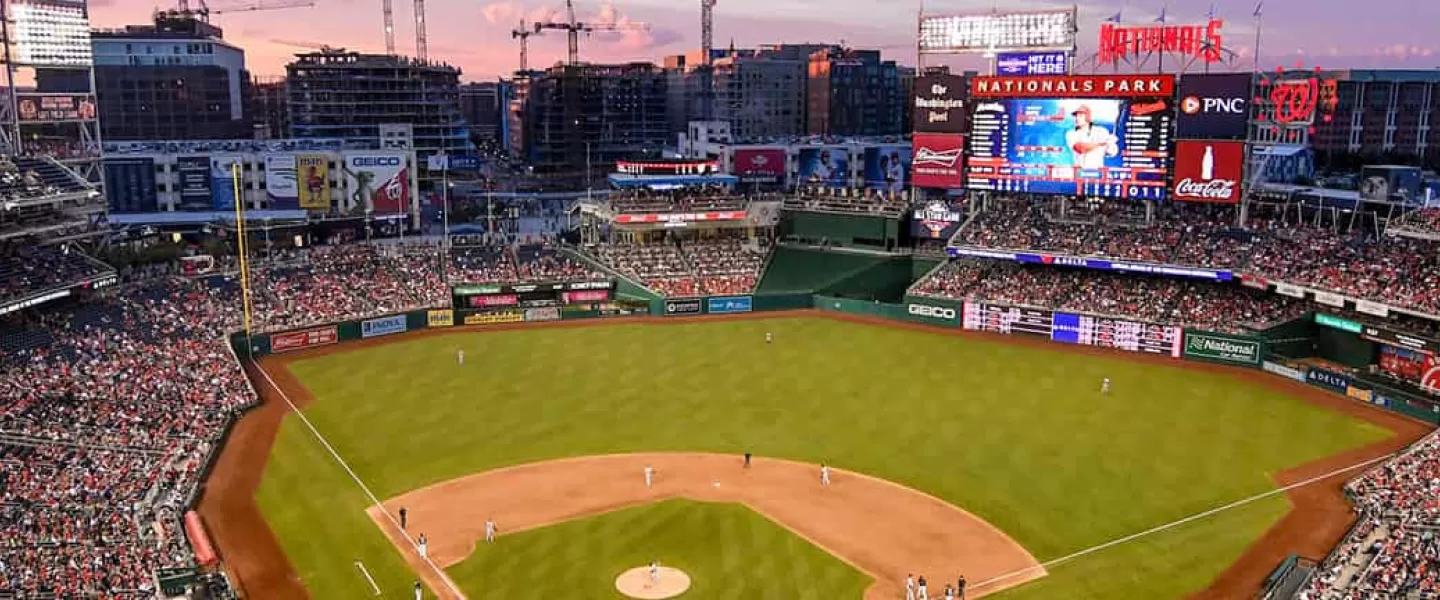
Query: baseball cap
point(1083, 109)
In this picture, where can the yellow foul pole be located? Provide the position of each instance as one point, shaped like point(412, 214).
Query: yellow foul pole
point(244, 254)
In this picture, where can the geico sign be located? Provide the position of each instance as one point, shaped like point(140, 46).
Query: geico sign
point(375, 161)
point(934, 312)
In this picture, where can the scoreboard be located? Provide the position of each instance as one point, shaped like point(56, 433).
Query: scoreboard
point(530, 295)
point(1072, 328)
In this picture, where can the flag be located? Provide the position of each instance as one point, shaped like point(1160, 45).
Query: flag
point(1115, 18)
point(1161, 18)
point(1258, 6)
point(1211, 14)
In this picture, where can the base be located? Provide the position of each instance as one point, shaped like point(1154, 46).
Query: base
point(636, 583)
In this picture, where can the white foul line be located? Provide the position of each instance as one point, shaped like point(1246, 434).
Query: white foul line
point(1177, 523)
point(375, 501)
point(363, 571)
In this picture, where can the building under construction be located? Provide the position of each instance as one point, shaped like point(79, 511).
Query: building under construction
point(571, 117)
point(335, 93)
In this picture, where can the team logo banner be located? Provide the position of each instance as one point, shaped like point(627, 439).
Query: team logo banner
point(936, 160)
point(382, 326)
point(440, 318)
point(759, 165)
point(1214, 107)
point(1209, 171)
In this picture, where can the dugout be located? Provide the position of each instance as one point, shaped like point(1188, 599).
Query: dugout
point(1374, 352)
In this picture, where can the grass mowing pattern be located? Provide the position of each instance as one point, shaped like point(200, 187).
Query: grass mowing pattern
point(730, 552)
point(1019, 436)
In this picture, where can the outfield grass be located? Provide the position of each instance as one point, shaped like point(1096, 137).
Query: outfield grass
point(1019, 436)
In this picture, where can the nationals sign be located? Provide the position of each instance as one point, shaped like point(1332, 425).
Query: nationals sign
point(1208, 171)
point(1074, 86)
point(1200, 41)
point(936, 160)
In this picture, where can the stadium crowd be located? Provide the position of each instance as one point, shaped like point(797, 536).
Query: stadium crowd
point(694, 199)
point(676, 269)
point(1167, 300)
point(1399, 271)
point(515, 264)
point(26, 270)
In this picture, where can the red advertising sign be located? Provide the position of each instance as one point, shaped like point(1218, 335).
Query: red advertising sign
point(681, 218)
point(759, 165)
point(1299, 98)
point(1208, 171)
point(300, 340)
point(1074, 86)
point(587, 296)
point(692, 167)
point(937, 160)
point(1122, 41)
point(1430, 377)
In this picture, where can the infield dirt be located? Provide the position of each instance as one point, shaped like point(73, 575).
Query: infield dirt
point(257, 564)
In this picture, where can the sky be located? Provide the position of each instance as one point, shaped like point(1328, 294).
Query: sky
point(475, 35)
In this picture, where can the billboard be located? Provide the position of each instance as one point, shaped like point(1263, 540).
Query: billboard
point(825, 165)
point(937, 220)
point(130, 185)
point(1074, 86)
point(1213, 107)
point(682, 306)
point(378, 181)
point(759, 165)
point(50, 33)
point(1209, 171)
point(1032, 63)
point(1098, 147)
point(885, 167)
point(928, 312)
point(440, 318)
point(300, 340)
point(936, 162)
point(939, 103)
point(222, 180)
point(280, 183)
point(49, 108)
point(192, 175)
point(382, 326)
point(1220, 347)
point(312, 172)
point(494, 318)
point(1120, 42)
point(720, 305)
point(998, 32)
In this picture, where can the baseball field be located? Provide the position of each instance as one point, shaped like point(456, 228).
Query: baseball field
point(983, 455)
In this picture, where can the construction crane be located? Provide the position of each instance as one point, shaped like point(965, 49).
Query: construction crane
point(203, 10)
point(523, 34)
point(388, 9)
point(707, 30)
point(422, 51)
point(573, 28)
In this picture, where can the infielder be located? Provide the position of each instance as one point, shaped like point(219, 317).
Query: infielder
point(909, 587)
point(654, 571)
point(460, 356)
point(949, 592)
point(924, 589)
point(825, 476)
point(489, 531)
point(424, 544)
point(649, 476)
point(403, 514)
point(419, 591)
point(1105, 386)
point(960, 587)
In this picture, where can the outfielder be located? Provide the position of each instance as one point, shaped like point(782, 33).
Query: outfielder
point(825, 475)
point(1105, 386)
point(460, 356)
point(769, 337)
point(649, 476)
point(489, 531)
point(419, 591)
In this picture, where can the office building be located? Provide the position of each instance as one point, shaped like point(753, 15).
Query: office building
point(337, 93)
point(175, 79)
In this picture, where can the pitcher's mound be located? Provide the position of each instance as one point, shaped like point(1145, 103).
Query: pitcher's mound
point(636, 583)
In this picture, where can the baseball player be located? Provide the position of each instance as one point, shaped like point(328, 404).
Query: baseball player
point(424, 545)
point(419, 591)
point(654, 571)
point(403, 513)
point(825, 475)
point(1105, 386)
point(909, 587)
point(923, 588)
point(489, 531)
point(949, 592)
point(960, 587)
point(769, 337)
point(649, 475)
point(1090, 144)
point(747, 460)
point(460, 356)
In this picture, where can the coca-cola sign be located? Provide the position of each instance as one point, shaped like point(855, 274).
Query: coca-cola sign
point(1209, 171)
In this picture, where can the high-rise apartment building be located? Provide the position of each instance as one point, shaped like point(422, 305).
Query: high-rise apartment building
point(574, 119)
point(853, 93)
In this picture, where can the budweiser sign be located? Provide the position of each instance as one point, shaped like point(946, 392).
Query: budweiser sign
point(935, 160)
point(1208, 171)
point(945, 158)
point(1199, 41)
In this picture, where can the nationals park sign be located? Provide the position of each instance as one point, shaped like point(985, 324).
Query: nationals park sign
point(1219, 347)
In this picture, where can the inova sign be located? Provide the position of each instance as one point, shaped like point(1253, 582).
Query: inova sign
point(932, 312)
point(1222, 348)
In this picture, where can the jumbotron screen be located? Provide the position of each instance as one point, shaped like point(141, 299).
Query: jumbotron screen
point(1095, 147)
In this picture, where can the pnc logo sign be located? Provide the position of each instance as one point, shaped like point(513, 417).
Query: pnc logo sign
point(1196, 105)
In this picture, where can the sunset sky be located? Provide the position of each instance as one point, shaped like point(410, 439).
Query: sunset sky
point(475, 34)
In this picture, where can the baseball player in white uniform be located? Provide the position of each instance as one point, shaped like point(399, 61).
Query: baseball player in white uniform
point(419, 591)
point(649, 475)
point(489, 531)
point(1105, 386)
point(1090, 143)
point(654, 571)
point(769, 337)
point(460, 357)
point(424, 546)
point(924, 589)
point(949, 592)
point(825, 475)
point(909, 587)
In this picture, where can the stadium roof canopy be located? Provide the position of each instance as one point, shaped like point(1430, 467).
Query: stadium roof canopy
point(203, 217)
point(665, 182)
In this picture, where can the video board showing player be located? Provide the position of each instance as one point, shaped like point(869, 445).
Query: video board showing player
point(1115, 148)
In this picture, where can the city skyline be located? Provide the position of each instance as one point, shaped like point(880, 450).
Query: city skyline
point(475, 36)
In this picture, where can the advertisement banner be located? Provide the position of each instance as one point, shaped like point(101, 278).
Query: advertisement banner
point(1110, 332)
point(378, 181)
point(1328, 379)
point(1330, 299)
point(825, 166)
point(491, 318)
point(193, 178)
point(537, 315)
point(885, 168)
point(1430, 376)
point(1372, 308)
point(1365, 395)
point(1399, 340)
point(1334, 322)
point(1220, 347)
point(759, 165)
point(944, 314)
point(586, 296)
point(300, 340)
point(130, 185)
point(728, 304)
point(938, 220)
point(440, 318)
point(998, 31)
point(224, 169)
point(1096, 263)
point(681, 219)
point(382, 326)
point(313, 179)
point(1283, 371)
point(1209, 171)
point(683, 306)
point(998, 318)
point(1074, 86)
point(1214, 106)
point(936, 161)
point(1286, 289)
point(1032, 63)
point(939, 104)
point(281, 187)
point(50, 108)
